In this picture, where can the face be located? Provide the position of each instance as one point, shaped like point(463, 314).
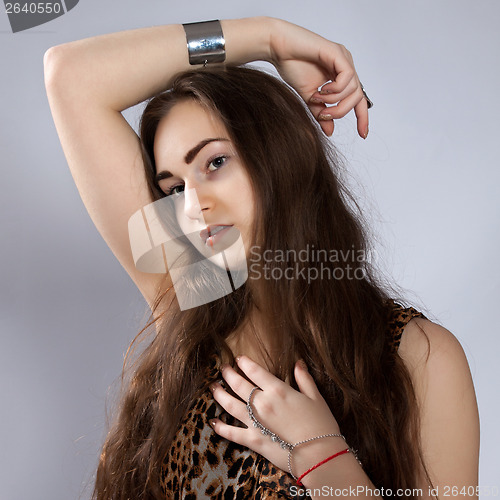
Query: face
point(199, 169)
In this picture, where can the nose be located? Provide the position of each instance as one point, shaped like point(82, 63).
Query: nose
point(192, 206)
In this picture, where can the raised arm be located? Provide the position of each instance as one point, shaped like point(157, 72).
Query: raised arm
point(90, 82)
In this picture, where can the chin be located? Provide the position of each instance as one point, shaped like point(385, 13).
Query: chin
point(232, 258)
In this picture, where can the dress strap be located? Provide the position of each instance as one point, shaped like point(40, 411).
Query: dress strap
point(399, 317)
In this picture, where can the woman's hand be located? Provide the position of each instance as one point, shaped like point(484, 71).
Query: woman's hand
point(294, 416)
point(307, 61)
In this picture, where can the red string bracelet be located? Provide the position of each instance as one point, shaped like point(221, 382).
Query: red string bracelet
point(299, 480)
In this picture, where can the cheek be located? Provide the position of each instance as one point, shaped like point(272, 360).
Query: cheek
point(240, 205)
point(242, 198)
point(248, 205)
point(180, 216)
point(183, 225)
point(250, 210)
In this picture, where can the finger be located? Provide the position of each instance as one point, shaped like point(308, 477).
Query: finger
point(230, 432)
point(339, 67)
point(233, 406)
point(326, 123)
point(344, 106)
point(238, 384)
point(361, 111)
point(260, 376)
point(327, 96)
point(304, 380)
point(328, 127)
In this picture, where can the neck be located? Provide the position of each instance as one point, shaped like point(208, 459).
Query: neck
point(252, 339)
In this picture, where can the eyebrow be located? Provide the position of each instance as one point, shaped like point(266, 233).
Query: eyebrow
point(190, 156)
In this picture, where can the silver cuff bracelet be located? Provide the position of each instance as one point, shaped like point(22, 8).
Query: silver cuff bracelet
point(205, 42)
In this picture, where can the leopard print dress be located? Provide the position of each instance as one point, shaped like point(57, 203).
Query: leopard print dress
point(201, 464)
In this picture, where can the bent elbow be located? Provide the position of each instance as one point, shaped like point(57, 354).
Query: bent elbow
point(56, 67)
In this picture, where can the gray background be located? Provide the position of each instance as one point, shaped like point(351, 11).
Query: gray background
point(428, 176)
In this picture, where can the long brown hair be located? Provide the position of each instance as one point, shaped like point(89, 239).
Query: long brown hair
point(339, 326)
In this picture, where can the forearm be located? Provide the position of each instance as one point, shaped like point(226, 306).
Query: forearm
point(121, 69)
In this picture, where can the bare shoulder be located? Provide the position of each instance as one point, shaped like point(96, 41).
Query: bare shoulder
point(425, 344)
point(438, 366)
point(448, 409)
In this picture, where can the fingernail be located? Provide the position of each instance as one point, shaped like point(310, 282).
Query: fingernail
point(237, 359)
point(302, 363)
point(325, 117)
point(325, 92)
point(366, 133)
point(316, 100)
point(223, 367)
point(213, 387)
point(212, 422)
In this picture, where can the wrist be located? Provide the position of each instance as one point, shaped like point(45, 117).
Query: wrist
point(276, 27)
point(248, 39)
point(311, 453)
point(340, 470)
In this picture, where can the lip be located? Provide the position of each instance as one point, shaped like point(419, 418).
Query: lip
point(213, 233)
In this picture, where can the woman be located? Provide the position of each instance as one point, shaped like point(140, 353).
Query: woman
point(301, 368)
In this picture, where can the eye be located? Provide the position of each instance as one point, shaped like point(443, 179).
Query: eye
point(216, 163)
point(178, 189)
